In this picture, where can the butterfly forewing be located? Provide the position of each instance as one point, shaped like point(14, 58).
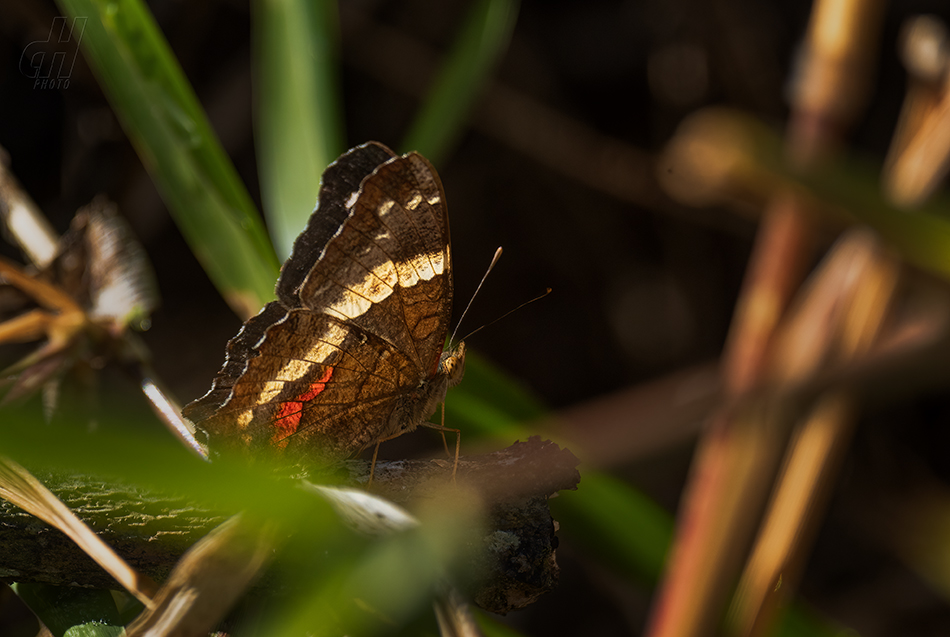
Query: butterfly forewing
point(386, 270)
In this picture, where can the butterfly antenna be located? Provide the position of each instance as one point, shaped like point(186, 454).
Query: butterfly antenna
point(491, 265)
point(537, 298)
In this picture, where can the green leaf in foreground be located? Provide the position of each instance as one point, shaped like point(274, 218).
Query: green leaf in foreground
point(298, 116)
point(60, 608)
point(162, 117)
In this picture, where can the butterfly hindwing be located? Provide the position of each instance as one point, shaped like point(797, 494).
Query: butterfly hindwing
point(309, 385)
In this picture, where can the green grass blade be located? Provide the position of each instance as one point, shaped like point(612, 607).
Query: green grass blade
point(298, 116)
point(483, 40)
point(618, 523)
point(490, 403)
point(492, 627)
point(58, 607)
point(170, 132)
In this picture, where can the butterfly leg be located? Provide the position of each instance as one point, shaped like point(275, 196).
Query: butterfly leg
point(458, 443)
point(372, 466)
point(444, 443)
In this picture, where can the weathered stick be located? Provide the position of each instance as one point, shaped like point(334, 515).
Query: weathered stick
point(151, 531)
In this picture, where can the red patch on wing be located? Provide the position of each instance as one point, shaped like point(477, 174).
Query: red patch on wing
point(288, 418)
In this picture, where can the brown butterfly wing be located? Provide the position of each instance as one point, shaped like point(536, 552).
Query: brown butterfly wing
point(353, 335)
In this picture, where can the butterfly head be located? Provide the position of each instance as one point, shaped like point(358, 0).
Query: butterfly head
point(452, 364)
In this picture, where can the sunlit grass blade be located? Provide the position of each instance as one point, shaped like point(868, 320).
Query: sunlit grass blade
point(299, 127)
point(179, 502)
point(19, 486)
point(484, 38)
point(170, 132)
point(209, 579)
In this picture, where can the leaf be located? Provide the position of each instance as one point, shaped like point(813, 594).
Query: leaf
point(483, 39)
point(163, 119)
point(299, 128)
point(59, 606)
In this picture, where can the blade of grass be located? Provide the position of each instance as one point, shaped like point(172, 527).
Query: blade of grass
point(298, 116)
point(62, 609)
point(162, 117)
point(20, 487)
point(491, 403)
point(483, 39)
point(618, 523)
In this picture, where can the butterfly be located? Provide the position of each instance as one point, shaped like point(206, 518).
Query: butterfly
point(352, 352)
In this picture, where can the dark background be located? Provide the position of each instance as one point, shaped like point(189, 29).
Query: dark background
point(642, 287)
